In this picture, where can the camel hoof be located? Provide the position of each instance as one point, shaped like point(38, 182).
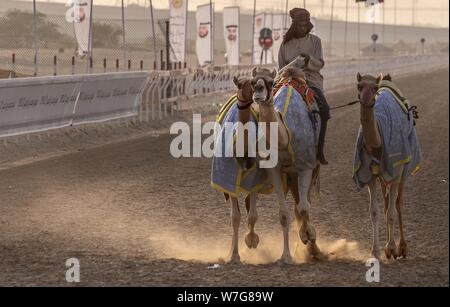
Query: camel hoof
point(285, 259)
point(402, 249)
point(252, 240)
point(234, 259)
point(307, 234)
point(314, 251)
point(376, 253)
point(390, 250)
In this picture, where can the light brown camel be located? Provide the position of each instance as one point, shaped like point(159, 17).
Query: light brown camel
point(245, 104)
point(301, 180)
point(393, 191)
point(244, 96)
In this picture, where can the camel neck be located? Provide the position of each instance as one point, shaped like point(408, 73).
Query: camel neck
point(369, 125)
point(267, 111)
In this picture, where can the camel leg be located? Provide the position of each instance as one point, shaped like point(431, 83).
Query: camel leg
point(275, 176)
point(384, 190)
point(251, 239)
point(390, 248)
point(235, 221)
point(307, 233)
point(402, 249)
point(374, 215)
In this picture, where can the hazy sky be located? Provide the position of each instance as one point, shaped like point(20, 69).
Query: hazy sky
point(426, 12)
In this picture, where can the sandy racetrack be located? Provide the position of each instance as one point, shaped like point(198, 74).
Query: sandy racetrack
point(133, 215)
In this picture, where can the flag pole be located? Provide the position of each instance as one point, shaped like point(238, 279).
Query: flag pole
point(253, 35)
point(123, 36)
point(395, 20)
point(211, 18)
point(35, 38)
point(331, 27)
point(153, 33)
point(346, 23)
point(384, 5)
point(359, 29)
point(286, 14)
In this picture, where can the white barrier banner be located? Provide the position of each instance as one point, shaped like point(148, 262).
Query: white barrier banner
point(177, 26)
point(204, 44)
point(109, 96)
point(37, 104)
point(231, 33)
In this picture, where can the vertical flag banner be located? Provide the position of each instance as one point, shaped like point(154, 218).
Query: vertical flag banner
point(373, 12)
point(177, 28)
point(277, 34)
point(231, 33)
point(79, 15)
point(262, 22)
point(314, 22)
point(204, 34)
point(257, 49)
point(268, 24)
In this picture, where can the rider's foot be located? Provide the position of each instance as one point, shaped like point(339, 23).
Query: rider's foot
point(322, 159)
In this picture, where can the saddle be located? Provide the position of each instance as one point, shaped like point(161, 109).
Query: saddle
point(392, 88)
point(300, 86)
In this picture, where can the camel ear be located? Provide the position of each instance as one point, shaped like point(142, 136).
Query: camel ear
point(380, 77)
point(254, 71)
point(388, 77)
point(274, 73)
point(235, 80)
point(358, 77)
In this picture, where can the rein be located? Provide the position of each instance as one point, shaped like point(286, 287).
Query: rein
point(345, 105)
point(245, 104)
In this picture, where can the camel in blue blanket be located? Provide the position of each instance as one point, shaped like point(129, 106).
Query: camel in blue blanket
point(388, 151)
point(297, 126)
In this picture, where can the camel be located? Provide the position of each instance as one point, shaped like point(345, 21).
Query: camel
point(244, 102)
point(300, 174)
point(373, 146)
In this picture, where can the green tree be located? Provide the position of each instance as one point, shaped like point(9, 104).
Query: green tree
point(105, 35)
point(16, 29)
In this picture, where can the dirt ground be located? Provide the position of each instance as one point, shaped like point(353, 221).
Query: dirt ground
point(134, 216)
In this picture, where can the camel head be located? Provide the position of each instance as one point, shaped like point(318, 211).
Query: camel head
point(262, 84)
point(244, 89)
point(367, 88)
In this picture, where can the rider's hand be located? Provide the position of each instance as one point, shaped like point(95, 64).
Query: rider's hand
point(306, 57)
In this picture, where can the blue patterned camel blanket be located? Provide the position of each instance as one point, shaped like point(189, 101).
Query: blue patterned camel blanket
point(400, 142)
point(229, 174)
point(303, 123)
